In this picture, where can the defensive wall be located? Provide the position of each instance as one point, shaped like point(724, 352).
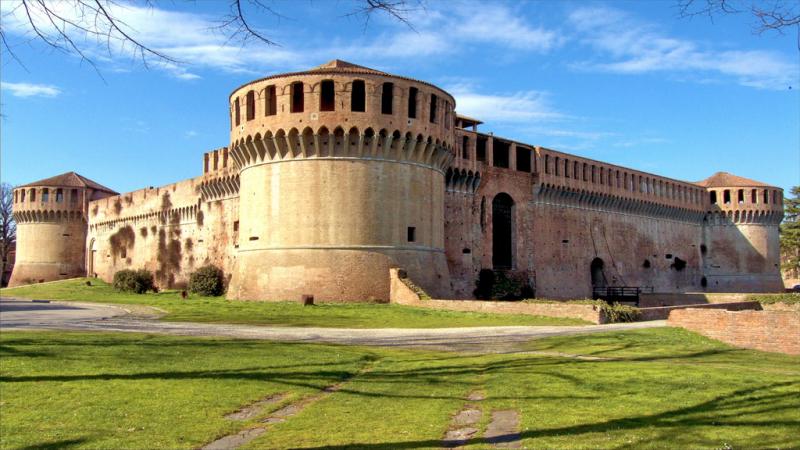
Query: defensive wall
point(334, 175)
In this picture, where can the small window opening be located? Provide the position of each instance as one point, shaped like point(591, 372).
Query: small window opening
point(547, 164)
point(270, 101)
point(713, 197)
point(45, 195)
point(500, 153)
point(22, 195)
point(740, 196)
point(251, 105)
point(434, 104)
point(480, 149)
point(412, 234)
point(358, 96)
point(327, 98)
point(466, 251)
point(646, 264)
point(704, 282)
point(465, 147)
point(753, 196)
point(33, 195)
point(236, 112)
point(387, 97)
point(236, 225)
point(668, 256)
point(523, 159)
point(412, 102)
point(298, 97)
point(726, 196)
point(703, 249)
point(766, 197)
point(678, 264)
point(774, 197)
point(565, 241)
point(59, 195)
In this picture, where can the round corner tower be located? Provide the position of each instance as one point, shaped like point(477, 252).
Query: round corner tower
point(342, 177)
point(51, 227)
point(741, 250)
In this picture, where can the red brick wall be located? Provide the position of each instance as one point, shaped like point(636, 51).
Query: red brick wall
point(769, 331)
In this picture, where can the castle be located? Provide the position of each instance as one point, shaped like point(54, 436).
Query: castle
point(335, 175)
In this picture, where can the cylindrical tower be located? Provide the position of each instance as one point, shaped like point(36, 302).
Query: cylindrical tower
point(341, 178)
point(741, 248)
point(51, 227)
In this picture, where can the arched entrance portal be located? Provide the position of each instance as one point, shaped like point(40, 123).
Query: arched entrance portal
point(502, 231)
point(598, 276)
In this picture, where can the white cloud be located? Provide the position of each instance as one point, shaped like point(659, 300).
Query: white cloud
point(190, 134)
point(631, 46)
point(30, 90)
point(524, 106)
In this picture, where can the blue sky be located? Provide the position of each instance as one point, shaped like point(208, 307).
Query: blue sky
point(630, 83)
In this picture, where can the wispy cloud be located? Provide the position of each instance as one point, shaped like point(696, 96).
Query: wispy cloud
point(30, 89)
point(629, 45)
point(515, 107)
point(190, 134)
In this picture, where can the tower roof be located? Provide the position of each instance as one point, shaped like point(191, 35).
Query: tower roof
point(725, 179)
point(70, 179)
point(339, 66)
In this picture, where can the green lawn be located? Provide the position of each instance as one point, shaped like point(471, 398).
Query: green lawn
point(219, 310)
point(656, 388)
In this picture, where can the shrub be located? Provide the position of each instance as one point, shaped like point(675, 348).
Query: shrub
point(485, 284)
point(137, 281)
point(208, 281)
point(617, 313)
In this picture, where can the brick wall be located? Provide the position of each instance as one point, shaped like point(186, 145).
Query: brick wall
point(402, 294)
point(769, 331)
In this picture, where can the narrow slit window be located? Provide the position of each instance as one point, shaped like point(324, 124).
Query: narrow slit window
point(412, 102)
point(412, 234)
point(298, 97)
point(270, 101)
point(434, 104)
point(327, 97)
point(236, 113)
point(251, 105)
point(358, 96)
point(387, 97)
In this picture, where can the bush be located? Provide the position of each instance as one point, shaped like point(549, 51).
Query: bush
point(208, 281)
point(617, 313)
point(137, 281)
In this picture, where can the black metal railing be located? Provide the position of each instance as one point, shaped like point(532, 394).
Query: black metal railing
point(620, 293)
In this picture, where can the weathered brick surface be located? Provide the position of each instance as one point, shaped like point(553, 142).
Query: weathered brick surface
point(769, 330)
point(662, 312)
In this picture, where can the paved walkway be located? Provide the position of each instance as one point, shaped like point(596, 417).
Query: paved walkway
point(21, 314)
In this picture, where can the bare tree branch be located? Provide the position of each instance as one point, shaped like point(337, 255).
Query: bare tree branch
point(8, 227)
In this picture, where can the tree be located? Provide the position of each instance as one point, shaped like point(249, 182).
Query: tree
point(768, 15)
point(8, 228)
point(72, 26)
point(790, 234)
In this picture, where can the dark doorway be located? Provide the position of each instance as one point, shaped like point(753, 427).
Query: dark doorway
point(502, 231)
point(598, 276)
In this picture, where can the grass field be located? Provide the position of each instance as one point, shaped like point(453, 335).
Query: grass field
point(219, 310)
point(655, 388)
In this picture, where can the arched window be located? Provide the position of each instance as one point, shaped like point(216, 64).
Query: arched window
point(502, 231)
point(412, 102)
point(327, 96)
point(251, 105)
point(298, 97)
point(432, 109)
point(358, 96)
point(387, 98)
point(236, 112)
point(270, 101)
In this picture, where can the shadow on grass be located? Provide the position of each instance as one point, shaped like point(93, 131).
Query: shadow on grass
point(53, 445)
point(731, 409)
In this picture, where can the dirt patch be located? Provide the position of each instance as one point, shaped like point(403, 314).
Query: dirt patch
point(235, 440)
point(252, 410)
point(464, 425)
point(503, 430)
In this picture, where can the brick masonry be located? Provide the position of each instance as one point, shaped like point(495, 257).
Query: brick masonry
point(767, 330)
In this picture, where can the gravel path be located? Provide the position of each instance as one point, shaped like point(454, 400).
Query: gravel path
point(22, 314)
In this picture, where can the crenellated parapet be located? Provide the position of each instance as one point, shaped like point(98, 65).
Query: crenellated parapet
point(293, 145)
point(554, 194)
point(731, 200)
point(35, 216)
point(462, 181)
